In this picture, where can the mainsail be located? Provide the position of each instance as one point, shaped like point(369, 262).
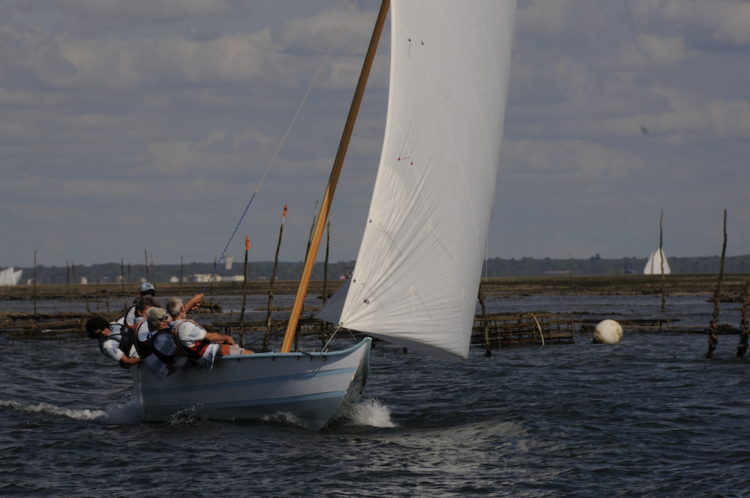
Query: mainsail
point(654, 264)
point(417, 273)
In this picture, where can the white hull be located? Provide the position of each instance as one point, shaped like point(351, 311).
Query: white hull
point(308, 389)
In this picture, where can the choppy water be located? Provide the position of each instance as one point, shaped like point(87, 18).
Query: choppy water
point(649, 416)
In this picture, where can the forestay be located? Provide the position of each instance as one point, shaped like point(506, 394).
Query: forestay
point(418, 269)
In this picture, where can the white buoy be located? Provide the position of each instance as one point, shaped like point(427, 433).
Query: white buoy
point(608, 332)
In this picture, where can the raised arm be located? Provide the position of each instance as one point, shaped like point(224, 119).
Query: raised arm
point(193, 302)
point(219, 338)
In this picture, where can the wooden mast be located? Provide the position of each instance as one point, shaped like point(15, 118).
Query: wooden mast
point(338, 162)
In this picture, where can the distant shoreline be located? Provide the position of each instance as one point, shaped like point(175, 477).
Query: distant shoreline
point(261, 271)
point(732, 286)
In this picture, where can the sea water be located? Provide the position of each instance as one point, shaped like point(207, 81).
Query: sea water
point(647, 417)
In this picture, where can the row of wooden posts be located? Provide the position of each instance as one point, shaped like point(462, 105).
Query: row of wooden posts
point(714, 327)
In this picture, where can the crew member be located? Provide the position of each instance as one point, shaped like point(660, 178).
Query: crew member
point(201, 346)
point(178, 311)
point(161, 357)
point(146, 289)
point(140, 324)
point(115, 340)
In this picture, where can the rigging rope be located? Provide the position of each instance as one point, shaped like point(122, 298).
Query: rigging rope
point(268, 168)
point(325, 347)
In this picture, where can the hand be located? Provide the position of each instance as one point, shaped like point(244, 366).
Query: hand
point(197, 304)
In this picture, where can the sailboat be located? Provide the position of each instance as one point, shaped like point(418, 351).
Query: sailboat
point(10, 276)
point(654, 264)
point(417, 273)
point(657, 262)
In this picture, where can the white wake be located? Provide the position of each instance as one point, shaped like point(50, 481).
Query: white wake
point(52, 410)
point(370, 412)
point(128, 413)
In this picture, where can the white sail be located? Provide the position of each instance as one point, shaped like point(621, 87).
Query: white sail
point(9, 276)
point(418, 269)
point(653, 265)
point(331, 310)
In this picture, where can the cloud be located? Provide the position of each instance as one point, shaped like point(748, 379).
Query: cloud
point(119, 63)
point(27, 55)
point(547, 19)
point(569, 160)
point(730, 119)
point(343, 30)
point(220, 153)
point(727, 21)
point(151, 10)
point(653, 51)
point(121, 60)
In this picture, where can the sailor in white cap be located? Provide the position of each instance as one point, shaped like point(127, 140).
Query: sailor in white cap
point(146, 289)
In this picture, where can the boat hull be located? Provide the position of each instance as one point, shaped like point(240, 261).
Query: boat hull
point(307, 389)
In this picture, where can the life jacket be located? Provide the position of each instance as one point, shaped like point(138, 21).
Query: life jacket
point(128, 312)
point(162, 359)
point(142, 347)
point(194, 352)
point(122, 335)
point(164, 346)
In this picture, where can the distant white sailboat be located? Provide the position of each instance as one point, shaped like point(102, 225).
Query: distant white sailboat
point(10, 276)
point(417, 273)
point(654, 264)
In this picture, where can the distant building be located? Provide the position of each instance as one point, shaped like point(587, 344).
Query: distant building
point(206, 277)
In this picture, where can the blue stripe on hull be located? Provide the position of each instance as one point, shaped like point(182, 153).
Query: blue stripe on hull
point(248, 382)
point(257, 402)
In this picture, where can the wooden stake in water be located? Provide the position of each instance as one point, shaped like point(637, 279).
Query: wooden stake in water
point(244, 282)
point(713, 326)
point(744, 322)
point(67, 276)
point(145, 257)
point(485, 329)
point(182, 272)
point(661, 261)
point(267, 337)
point(34, 285)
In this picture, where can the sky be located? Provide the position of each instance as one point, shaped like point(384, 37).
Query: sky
point(134, 127)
